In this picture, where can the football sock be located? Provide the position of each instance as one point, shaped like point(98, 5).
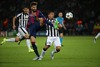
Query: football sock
point(61, 39)
point(42, 53)
point(35, 49)
point(54, 51)
point(28, 43)
point(22, 38)
point(97, 35)
point(11, 39)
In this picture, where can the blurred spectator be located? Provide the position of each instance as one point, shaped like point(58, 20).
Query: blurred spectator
point(87, 10)
point(5, 24)
point(79, 27)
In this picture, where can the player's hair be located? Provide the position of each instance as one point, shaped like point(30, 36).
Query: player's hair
point(33, 3)
point(25, 6)
point(60, 12)
point(50, 12)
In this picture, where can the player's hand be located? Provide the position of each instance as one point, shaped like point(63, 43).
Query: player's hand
point(41, 20)
point(64, 27)
point(59, 25)
point(14, 27)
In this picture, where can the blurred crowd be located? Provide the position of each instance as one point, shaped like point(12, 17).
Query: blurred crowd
point(86, 14)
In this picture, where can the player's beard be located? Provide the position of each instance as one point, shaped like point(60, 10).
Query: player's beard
point(34, 10)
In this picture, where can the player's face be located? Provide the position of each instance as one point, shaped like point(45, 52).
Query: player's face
point(34, 8)
point(60, 14)
point(51, 15)
point(26, 10)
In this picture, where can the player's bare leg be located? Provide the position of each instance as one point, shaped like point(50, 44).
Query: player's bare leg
point(10, 40)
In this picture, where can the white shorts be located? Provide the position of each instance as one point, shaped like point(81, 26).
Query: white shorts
point(55, 40)
point(21, 32)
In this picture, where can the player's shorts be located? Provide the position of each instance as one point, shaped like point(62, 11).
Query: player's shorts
point(34, 28)
point(21, 32)
point(61, 30)
point(55, 40)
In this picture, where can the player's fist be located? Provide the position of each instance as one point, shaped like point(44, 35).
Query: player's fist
point(41, 20)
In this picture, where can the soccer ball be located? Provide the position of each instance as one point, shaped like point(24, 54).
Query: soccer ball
point(69, 15)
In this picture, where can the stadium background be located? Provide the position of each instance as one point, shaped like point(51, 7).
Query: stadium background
point(78, 51)
point(85, 11)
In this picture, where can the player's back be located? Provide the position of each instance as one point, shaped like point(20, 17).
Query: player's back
point(23, 19)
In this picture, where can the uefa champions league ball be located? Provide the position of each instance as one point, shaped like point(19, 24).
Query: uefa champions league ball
point(69, 15)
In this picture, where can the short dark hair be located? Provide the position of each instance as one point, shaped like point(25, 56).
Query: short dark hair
point(50, 12)
point(33, 3)
point(60, 12)
point(25, 6)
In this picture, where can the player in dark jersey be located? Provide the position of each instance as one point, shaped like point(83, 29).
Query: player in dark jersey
point(36, 21)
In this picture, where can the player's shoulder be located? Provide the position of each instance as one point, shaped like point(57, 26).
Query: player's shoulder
point(58, 18)
point(38, 11)
point(62, 18)
point(19, 14)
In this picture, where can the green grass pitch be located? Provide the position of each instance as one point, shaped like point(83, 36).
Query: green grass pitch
point(78, 51)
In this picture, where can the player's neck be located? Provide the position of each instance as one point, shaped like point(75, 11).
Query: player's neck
point(33, 13)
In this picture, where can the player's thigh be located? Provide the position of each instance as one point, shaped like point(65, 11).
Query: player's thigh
point(49, 41)
point(18, 37)
point(57, 42)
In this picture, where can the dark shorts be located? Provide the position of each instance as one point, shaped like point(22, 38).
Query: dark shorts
point(34, 28)
point(61, 30)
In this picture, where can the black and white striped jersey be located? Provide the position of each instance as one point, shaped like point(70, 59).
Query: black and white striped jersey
point(23, 19)
point(51, 31)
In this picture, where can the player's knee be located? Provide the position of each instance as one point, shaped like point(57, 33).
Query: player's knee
point(16, 40)
point(46, 47)
point(58, 50)
point(32, 39)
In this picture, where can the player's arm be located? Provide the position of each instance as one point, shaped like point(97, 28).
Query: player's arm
point(43, 20)
point(14, 19)
point(63, 25)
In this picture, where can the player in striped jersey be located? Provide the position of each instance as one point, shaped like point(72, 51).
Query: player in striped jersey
point(22, 32)
point(52, 37)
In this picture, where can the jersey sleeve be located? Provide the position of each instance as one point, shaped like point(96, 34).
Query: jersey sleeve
point(41, 15)
point(18, 15)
